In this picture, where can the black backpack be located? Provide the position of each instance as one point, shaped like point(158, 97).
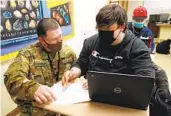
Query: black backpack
point(160, 106)
point(160, 103)
point(164, 47)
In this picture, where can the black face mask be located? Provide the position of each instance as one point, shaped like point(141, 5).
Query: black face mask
point(106, 37)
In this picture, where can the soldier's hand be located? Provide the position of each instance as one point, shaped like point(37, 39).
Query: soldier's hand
point(44, 95)
point(71, 75)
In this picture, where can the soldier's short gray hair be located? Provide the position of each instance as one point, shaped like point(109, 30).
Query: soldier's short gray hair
point(46, 24)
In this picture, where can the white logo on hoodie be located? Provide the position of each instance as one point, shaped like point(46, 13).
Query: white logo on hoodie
point(97, 55)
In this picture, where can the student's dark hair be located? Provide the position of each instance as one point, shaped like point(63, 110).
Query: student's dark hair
point(46, 24)
point(111, 14)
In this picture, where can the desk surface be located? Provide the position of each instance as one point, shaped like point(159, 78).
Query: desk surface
point(94, 109)
point(164, 24)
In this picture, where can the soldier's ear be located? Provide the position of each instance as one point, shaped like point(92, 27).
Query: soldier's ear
point(42, 41)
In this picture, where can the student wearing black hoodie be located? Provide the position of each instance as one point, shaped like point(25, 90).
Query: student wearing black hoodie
point(114, 49)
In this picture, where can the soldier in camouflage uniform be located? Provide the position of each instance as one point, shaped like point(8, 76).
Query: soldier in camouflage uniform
point(36, 68)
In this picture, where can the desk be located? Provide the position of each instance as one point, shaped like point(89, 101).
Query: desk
point(164, 32)
point(94, 109)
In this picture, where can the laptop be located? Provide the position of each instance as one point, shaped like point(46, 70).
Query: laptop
point(120, 89)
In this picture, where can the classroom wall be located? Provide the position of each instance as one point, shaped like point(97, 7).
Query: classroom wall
point(84, 17)
point(152, 6)
point(156, 7)
point(7, 104)
point(85, 13)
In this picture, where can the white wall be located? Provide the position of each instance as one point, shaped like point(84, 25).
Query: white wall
point(152, 6)
point(7, 104)
point(158, 6)
point(84, 14)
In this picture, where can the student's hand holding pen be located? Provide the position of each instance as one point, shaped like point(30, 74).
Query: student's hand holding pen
point(70, 76)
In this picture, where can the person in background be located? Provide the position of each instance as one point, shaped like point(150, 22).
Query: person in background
point(139, 29)
point(37, 67)
point(116, 49)
point(161, 79)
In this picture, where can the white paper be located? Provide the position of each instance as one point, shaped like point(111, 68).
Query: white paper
point(74, 93)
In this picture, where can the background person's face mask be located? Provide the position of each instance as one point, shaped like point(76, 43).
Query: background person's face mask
point(139, 25)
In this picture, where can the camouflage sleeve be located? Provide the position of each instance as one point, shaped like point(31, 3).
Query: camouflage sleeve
point(70, 53)
point(16, 79)
point(68, 57)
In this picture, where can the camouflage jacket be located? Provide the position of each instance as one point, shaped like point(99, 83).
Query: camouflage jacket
point(34, 66)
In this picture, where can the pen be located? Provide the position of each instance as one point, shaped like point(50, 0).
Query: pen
point(64, 87)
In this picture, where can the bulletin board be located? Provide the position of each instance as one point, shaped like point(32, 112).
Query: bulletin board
point(62, 12)
point(18, 25)
point(20, 17)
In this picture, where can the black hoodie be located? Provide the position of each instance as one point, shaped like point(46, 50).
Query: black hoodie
point(131, 56)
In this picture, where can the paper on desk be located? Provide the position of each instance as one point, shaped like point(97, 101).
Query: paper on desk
point(74, 93)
